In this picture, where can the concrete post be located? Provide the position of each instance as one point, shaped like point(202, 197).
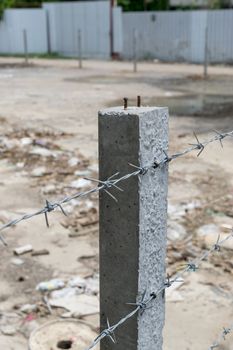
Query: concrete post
point(135, 68)
point(133, 230)
point(206, 58)
point(80, 48)
point(25, 45)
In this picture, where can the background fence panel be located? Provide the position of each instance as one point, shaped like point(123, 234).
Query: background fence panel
point(11, 31)
point(180, 35)
point(92, 18)
point(170, 36)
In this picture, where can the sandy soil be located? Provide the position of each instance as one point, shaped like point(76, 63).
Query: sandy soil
point(55, 97)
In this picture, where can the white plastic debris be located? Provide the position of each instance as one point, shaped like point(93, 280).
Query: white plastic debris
point(80, 183)
point(51, 285)
point(77, 282)
point(82, 172)
point(43, 152)
point(78, 305)
point(73, 161)
point(28, 308)
point(25, 141)
point(20, 165)
point(63, 293)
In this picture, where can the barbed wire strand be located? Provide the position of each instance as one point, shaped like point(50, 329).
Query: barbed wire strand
point(222, 337)
point(143, 303)
point(112, 181)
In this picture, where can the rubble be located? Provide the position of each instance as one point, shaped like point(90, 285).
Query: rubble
point(40, 252)
point(78, 304)
point(23, 250)
point(40, 171)
point(17, 261)
point(8, 330)
point(51, 285)
point(175, 231)
point(28, 308)
point(61, 334)
point(206, 230)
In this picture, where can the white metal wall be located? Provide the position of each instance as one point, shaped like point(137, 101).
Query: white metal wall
point(170, 36)
point(180, 35)
point(11, 31)
point(92, 18)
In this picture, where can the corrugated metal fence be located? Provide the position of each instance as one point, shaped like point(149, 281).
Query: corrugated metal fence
point(11, 31)
point(54, 28)
point(92, 18)
point(169, 36)
point(180, 35)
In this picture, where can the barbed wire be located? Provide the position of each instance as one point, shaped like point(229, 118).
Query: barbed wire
point(142, 304)
point(112, 181)
point(221, 337)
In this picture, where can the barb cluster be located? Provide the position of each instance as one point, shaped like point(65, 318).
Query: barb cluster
point(143, 303)
point(113, 181)
point(222, 337)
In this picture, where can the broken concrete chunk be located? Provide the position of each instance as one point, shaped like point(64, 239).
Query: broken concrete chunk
point(38, 172)
point(8, 330)
point(175, 231)
point(28, 308)
point(23, 250)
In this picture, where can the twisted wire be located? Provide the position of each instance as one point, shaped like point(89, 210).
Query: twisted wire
point(112, 181)
point(222, 337)
point(143, 303)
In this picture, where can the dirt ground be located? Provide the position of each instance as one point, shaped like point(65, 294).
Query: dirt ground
point(48, 143)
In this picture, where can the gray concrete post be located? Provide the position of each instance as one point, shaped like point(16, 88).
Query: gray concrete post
point(135, 58)
point(206, 57)
point(133, 230)
point(80, 48)
point(25, 45)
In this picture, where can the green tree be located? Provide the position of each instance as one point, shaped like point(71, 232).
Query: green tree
point(141, 5)
point(4, 4)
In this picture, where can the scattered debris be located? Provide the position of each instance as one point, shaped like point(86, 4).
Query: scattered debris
point(80, 183)
point(83, 232)
point(206, 230)
point(75, 334)
point(51, 285)
point(28, 325)
point(73, 161)
point(77, 282)
point(23, 250)
point(78, 304)
point(17, 261)
point(28, 308)
point(40, 252)
point(175, 231)
point(38, 172)
point(8, 330)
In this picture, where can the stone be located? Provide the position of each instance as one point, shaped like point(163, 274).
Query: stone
point(175, 231)
point(8, 330)
point(38, 172)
